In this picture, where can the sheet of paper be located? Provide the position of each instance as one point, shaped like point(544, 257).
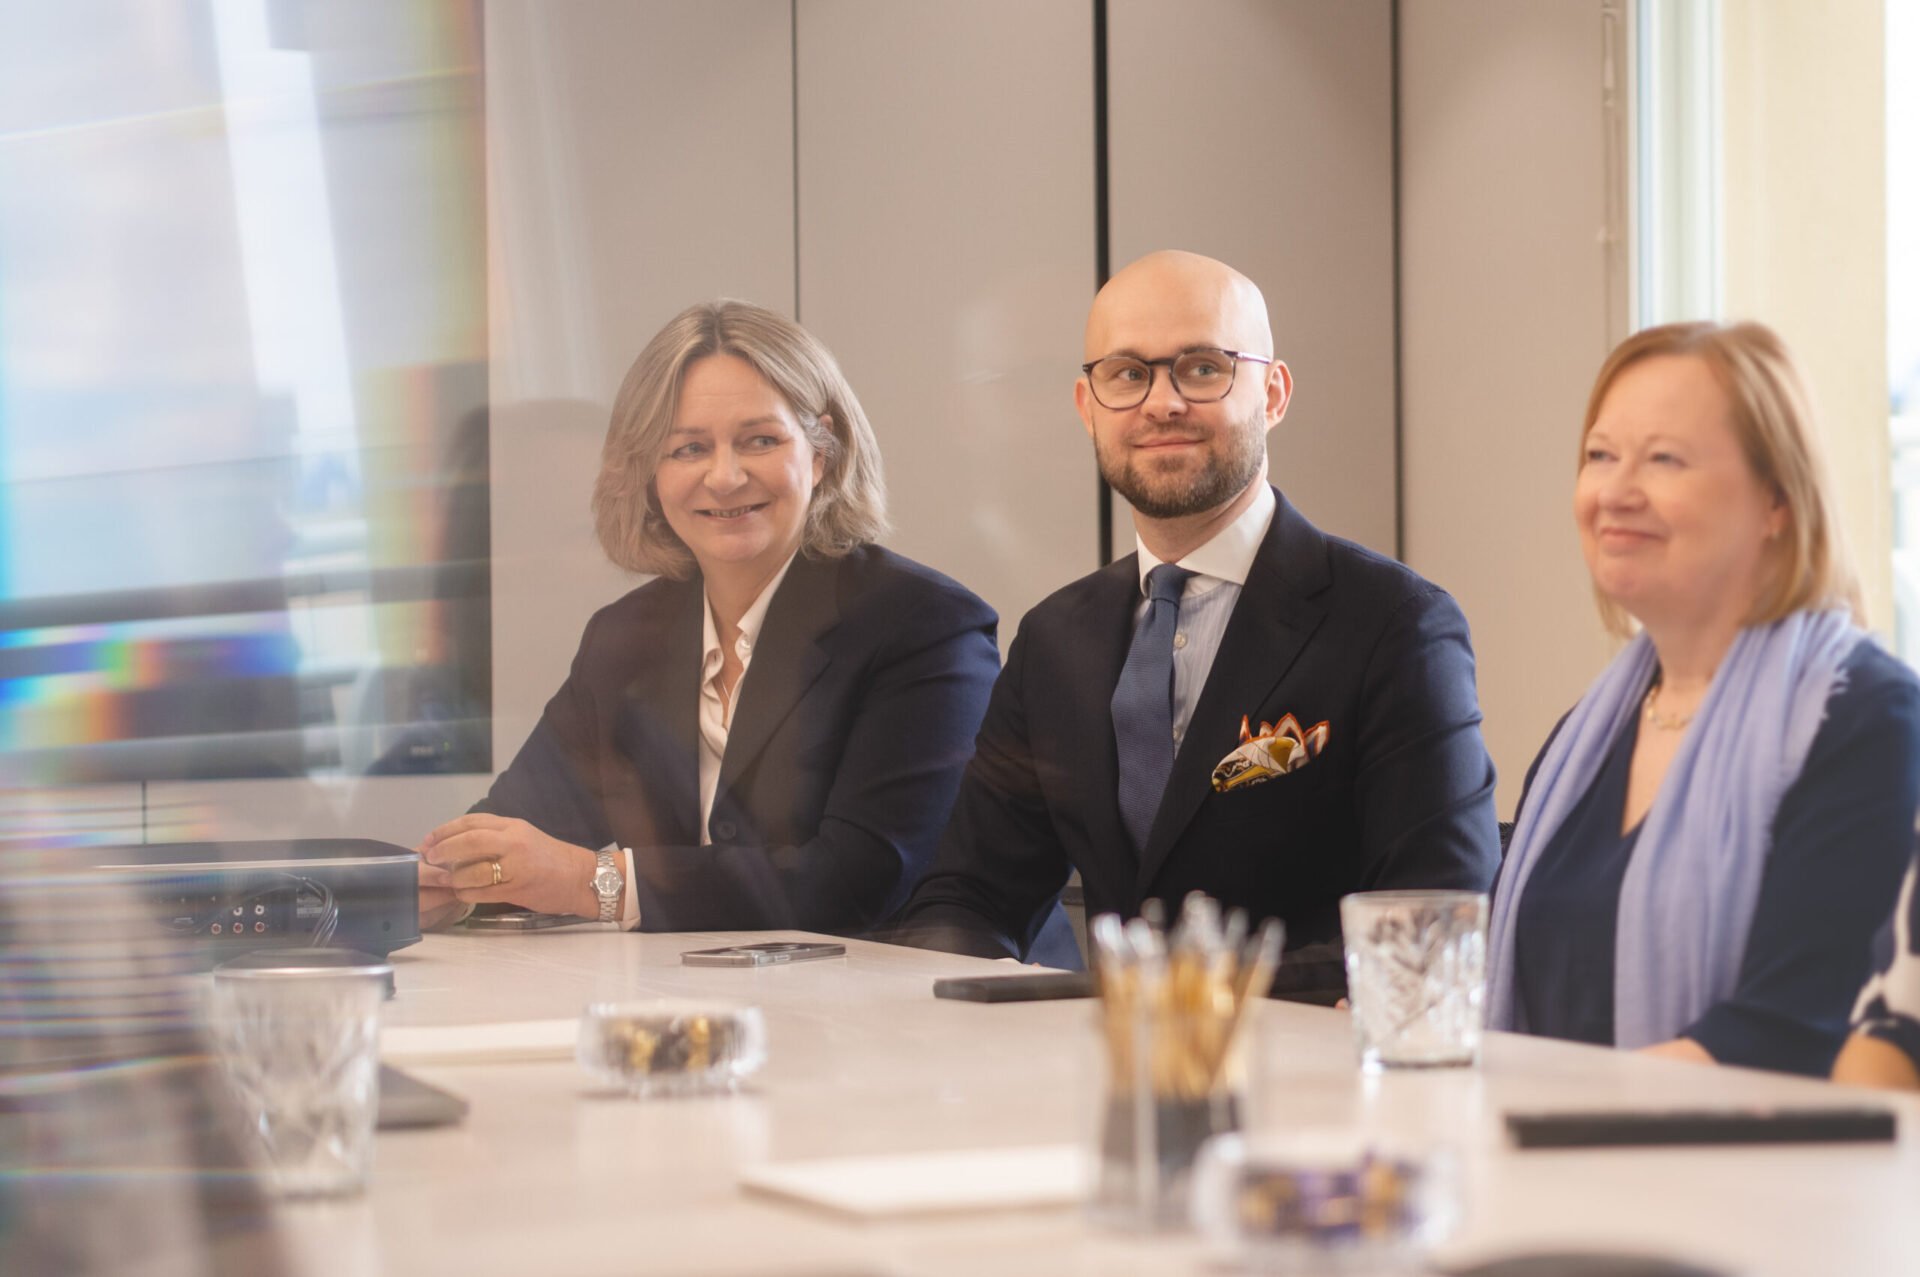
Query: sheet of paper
point(920, 1183)
point(516, 1040)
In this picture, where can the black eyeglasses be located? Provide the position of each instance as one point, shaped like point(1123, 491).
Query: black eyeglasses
point(1202, 375)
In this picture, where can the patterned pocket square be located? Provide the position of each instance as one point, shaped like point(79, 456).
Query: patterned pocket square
point(1278, 748)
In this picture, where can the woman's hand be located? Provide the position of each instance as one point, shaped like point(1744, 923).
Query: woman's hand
point(1868, 1061)
point(439, 907)
point(481, 859)
point(1680, 1049)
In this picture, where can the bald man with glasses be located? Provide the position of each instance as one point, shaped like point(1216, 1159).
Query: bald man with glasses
point(1246, 706)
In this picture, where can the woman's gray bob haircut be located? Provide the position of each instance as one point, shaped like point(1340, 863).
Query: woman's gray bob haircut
point(849, 503)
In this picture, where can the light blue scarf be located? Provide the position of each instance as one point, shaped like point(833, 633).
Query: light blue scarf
point(1688, 897)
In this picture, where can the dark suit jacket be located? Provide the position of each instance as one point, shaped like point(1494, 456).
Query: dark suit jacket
point(1401, 795)
point(855, 720)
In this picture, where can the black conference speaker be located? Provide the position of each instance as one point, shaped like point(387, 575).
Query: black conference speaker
point(233, 897)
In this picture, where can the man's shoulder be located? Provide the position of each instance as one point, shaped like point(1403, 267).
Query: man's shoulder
point(1350, 577)
point(1061, 607)
point(1368, 569)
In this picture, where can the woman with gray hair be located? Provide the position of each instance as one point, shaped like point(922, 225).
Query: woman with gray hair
point(770, 734)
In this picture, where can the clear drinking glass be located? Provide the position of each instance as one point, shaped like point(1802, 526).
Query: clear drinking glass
point(1416, 976)
point(301, 1047)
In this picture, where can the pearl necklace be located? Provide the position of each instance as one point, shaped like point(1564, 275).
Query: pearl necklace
point(1664, 722)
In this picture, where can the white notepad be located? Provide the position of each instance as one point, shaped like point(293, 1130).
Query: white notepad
point(514, 1041)
point(921, 1183)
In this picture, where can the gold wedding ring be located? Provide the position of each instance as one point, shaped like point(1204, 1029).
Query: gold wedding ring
point(498, 878)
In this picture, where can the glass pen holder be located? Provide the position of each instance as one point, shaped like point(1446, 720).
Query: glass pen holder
point(1176, 1077)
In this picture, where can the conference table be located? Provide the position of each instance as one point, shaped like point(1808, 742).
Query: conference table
point(551, 1173)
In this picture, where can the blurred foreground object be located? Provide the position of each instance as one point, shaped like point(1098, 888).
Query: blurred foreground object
point(1325, 1201)
point(118, 1151)
point(672, 1046)
point(299, 1036)
point(1173, 1005)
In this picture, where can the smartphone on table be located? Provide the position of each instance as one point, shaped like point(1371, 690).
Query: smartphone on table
point(520, 920)
point(770, 953)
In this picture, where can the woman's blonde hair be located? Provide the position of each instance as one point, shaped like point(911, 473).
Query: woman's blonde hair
point(849, 503)
point(1773, 418)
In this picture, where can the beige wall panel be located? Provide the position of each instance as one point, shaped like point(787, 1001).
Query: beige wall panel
point(639, 159)
point(1805, 166)
point(947, 258)
point(1261, 132)
point(1504, 290)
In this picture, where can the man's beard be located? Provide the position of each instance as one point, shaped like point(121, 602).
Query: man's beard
point(1224, 476)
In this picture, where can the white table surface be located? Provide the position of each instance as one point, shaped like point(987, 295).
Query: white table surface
point(550, 1175)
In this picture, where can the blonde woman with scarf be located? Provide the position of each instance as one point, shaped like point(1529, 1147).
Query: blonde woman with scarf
point(1711, 837)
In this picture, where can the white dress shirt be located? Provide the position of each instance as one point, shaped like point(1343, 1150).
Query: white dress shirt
point(1219, 569)
point(716, 715)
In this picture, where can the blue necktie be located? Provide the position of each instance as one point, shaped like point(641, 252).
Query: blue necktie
point(1143, 704)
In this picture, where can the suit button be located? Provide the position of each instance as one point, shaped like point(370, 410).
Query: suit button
point(723, 830)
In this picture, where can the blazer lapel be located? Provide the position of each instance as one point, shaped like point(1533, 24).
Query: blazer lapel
point(1105, 625)
point(788, 658)
point(660, 727)
point(1272, 621)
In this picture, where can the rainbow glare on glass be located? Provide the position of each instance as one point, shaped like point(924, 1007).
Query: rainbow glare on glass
point(76, 684)
point(286, 392)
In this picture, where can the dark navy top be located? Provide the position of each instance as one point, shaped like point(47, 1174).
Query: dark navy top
point(1842, 836)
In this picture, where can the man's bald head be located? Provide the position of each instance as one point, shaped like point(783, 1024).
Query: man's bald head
point(1175, 299)
point(1181, 462)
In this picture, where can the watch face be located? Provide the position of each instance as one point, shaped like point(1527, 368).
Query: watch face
point(606, 882)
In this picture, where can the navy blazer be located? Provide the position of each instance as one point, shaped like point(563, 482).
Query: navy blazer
point(1401, 795)
point(854, 723)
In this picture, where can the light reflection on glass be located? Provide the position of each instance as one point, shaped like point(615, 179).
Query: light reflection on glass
point(243, 523)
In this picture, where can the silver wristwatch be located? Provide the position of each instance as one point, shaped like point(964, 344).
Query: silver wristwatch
point(608, 884)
